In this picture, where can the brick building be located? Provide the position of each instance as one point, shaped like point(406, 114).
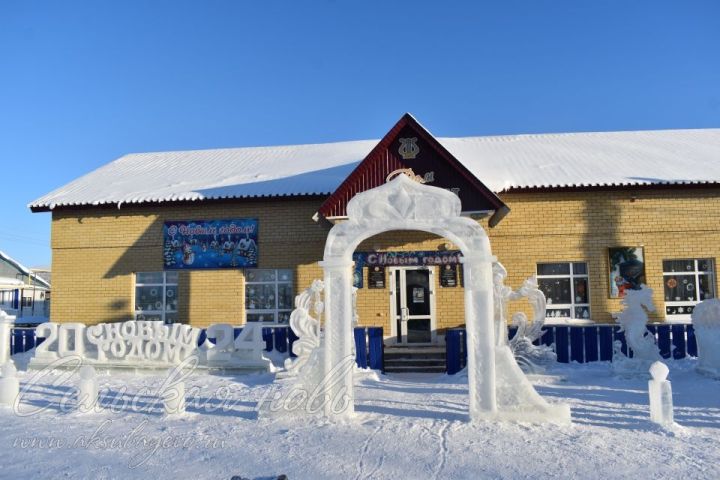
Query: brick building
point(591, 214)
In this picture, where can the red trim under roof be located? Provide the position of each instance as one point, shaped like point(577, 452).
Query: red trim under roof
point(382, 160)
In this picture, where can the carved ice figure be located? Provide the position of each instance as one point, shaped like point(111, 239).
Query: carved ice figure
point(87, 389)
point(660, 392)
point(6, 323)
point(497, 387)
point(305, 322)
point(150, 344)
point(633, 321)
point(706, 321)
point(501, 296)
point(9, 384)
point(249, 347)
point(245, 351)
point(530, 357)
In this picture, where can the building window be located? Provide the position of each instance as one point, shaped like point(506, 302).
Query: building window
point(27, 302)
point(566, 289)
point(156, 296)
point(268, 295)
point(686, 283)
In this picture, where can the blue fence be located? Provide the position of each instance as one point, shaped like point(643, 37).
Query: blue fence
point(368, 342)
point(585, 343)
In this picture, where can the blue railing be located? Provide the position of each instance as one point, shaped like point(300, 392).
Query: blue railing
point(368, 342)
point(585, 343)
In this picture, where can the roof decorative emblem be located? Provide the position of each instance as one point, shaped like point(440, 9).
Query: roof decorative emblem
point(408, 148)
point(407, 171)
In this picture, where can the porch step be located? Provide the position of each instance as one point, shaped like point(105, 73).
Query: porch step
point(414, 358)
point(434, 369)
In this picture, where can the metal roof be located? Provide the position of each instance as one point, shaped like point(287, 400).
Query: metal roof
point(502, 163)
point(23, 269)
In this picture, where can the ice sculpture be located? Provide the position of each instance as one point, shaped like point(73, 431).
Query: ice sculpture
point(531, 358)
point(305, 322)
point(706, 321)
point(87, 389)
point(633, 320)
point(501, 296)
point(245, 351)
point(660, 392)
point(498, 389)
point(149, 344)
point(9, 384)
point(6, 323)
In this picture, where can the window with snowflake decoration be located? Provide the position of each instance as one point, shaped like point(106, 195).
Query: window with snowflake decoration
point(566, 289)
point(687, 282)
point(156, 296)
point(268, 295)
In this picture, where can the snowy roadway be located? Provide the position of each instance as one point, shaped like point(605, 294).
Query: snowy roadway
point(409, 427)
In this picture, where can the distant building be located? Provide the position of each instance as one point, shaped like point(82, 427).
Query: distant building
point(24, 292)
point(232, 235)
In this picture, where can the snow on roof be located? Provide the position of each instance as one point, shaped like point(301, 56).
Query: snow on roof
point(500, 162)
point(22, 268)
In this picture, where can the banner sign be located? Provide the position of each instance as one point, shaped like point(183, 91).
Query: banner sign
point(422, 258)
point(200, 244)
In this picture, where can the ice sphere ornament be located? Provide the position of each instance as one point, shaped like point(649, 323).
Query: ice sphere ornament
point(706, 321)
point(660, 392)
point(87, 389)
point(9, 384)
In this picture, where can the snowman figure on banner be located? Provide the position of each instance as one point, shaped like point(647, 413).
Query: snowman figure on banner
point(247, 249)
point(188, 254)
point(228, 246)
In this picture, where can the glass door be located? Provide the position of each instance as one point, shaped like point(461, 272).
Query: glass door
point(412, 305)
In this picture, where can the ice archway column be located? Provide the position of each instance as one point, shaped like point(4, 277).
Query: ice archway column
point(403, 204)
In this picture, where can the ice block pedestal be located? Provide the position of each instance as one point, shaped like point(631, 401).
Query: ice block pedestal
point(660, 391)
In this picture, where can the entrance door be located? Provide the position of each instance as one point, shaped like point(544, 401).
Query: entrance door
point(412, 304)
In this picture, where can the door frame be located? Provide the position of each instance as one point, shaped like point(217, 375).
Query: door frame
point(393, 308)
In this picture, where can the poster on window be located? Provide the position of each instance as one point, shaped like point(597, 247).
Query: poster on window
point(627, 270)
point(201, 244)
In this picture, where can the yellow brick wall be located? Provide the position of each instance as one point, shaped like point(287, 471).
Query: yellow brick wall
point(581, 226)
point(96, 251)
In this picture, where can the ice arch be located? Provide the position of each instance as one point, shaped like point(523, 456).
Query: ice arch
point(498, 388)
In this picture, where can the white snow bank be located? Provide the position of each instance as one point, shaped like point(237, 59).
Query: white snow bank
point(411, 426)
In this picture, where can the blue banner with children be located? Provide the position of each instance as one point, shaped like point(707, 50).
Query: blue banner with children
point(207, 244)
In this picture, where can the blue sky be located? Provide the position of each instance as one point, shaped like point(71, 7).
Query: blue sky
point(82, 83)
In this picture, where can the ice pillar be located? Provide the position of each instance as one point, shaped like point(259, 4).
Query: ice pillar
point(337, 382)
point(660, 391)
point(87, 389)
point(174, 398)
point(6, 323)
point(477, 271)
point(9, 385)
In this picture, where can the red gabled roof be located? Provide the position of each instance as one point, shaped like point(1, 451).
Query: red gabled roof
point(384, 159)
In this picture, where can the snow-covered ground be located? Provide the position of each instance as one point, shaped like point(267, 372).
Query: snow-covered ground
point(408, 427)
